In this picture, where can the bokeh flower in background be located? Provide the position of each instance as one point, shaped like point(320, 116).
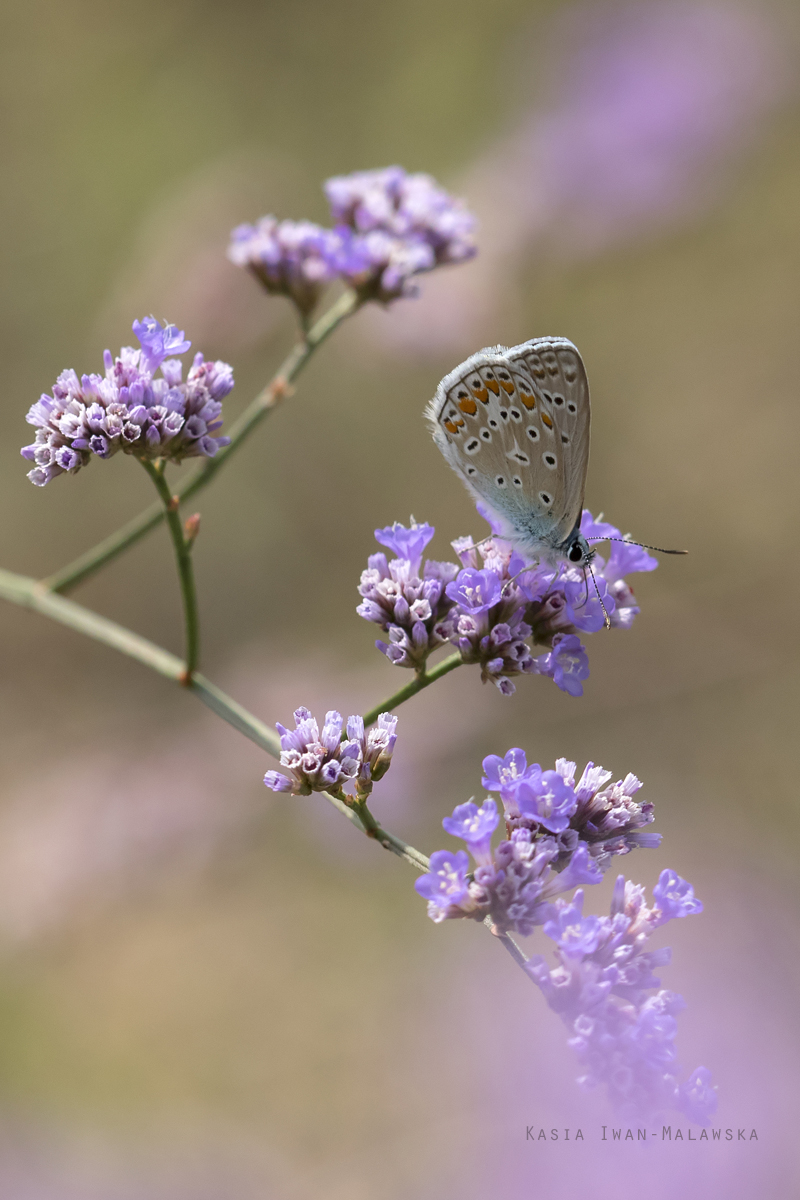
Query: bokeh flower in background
point(643, 107)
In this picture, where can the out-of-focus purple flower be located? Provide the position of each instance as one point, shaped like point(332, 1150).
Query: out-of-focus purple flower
point(698, 1097)
point(475, 826)
point(129, 409)
point(322, 760)
point(675, 897)
point(567, 664)
point(602, 987)
point(290, 258)
point(392, 226)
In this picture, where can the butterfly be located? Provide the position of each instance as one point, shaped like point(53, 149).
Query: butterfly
point(513, 423)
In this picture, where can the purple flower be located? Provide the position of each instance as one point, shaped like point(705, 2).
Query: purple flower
point(675, 897)
point(393, 226)
point(503, 774)
point(567, 664)
point(624, 1036)
point(408, 543)
point(324, 760)
point(407, 600)
point(545, 798)
point(697, 1097)
point(475, 591)
point(576, 935)
point(158, 342)
point(446, 886)
point(476, 826)
point(291, 258)
point(130, 409)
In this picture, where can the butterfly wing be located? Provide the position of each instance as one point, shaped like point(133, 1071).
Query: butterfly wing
point(514, 425)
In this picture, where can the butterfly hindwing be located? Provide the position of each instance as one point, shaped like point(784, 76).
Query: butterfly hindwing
point(514, 424)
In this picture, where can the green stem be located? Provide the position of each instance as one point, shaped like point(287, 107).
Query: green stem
point(389, 841)
point(183, 560)
point(420, 681)
point(268, 399)
point(29, 593)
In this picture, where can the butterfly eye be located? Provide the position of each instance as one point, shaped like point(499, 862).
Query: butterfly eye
point(575, 553)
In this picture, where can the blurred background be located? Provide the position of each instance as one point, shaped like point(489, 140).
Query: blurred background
point(210, 991)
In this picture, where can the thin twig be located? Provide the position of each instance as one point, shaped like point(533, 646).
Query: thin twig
point(183, 560)
point(419, 682)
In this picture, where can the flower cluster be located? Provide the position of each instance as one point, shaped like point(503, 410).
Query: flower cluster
point(389, 226)
point(131, 409)
point(493, 608)
point(605, 817)
point(290, 258)
point(405, 598)
point(513, 886)
point(393, 226)
point(326, 760)
point(603, 988)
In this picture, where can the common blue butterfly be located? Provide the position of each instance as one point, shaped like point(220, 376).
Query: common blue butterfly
point(513, 423)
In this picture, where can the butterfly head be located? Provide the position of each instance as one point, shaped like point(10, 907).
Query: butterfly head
point(577, 550)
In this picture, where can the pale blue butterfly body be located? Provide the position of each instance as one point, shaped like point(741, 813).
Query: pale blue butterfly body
point(513, 423)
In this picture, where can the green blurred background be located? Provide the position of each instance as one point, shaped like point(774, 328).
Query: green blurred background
point(207, 991)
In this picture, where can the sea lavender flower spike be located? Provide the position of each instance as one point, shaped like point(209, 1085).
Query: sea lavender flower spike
point(130, 408)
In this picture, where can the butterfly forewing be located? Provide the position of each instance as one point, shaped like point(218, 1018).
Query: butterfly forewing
point(514, 424)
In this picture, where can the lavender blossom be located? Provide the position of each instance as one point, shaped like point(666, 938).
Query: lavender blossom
point(393, 226)
point(602, 988)
point(405, 598)
point(496, 605)
point(130, 409)
point(513, 885)
point(290, 258)
point(605, 817)
point(325, 761)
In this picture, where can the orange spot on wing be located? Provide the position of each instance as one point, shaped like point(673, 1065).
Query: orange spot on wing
point(481, 394)
point(507, 386)
point(494, 386)
point(527, 400)
point(450, 427)
point(468, 406)
point(547, 420)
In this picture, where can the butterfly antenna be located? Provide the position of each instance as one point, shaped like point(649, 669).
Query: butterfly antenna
point(599, 597)
point(643, 545)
